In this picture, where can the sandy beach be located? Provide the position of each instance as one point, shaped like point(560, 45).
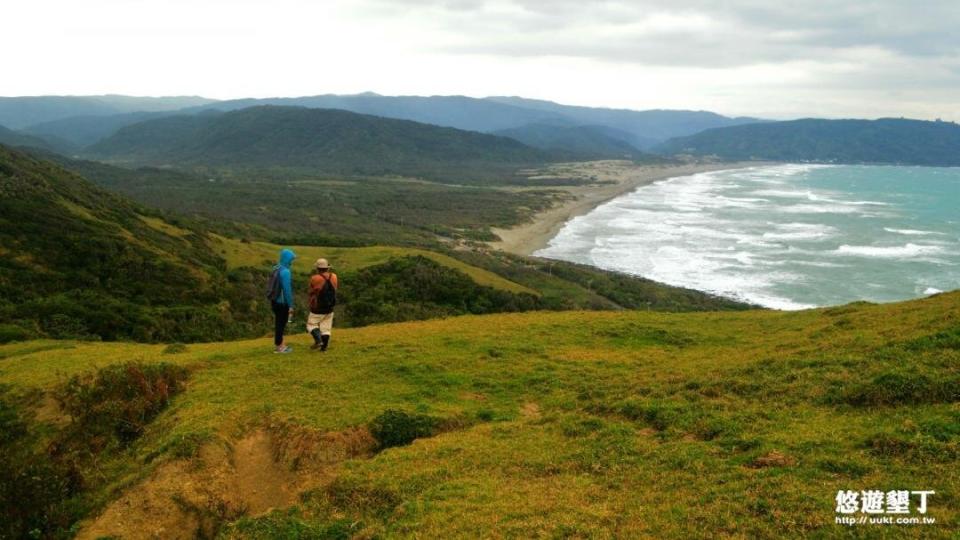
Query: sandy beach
point(611, 179)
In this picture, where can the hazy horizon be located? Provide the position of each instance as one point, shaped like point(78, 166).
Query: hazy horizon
point(200, 96)
point(747, 58)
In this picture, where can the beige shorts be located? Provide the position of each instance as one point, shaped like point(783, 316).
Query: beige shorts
point(323, 322)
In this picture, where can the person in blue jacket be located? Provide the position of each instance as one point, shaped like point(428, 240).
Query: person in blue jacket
point(281, 298)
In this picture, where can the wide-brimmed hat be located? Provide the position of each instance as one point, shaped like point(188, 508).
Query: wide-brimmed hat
point(322, 264)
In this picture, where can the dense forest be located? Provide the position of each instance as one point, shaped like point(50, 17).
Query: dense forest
point(319, 209)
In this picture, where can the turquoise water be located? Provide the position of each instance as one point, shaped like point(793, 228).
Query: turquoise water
point(785, 236)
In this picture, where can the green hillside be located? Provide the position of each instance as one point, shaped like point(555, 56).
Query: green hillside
point(241, 254)
point(584, 425)
point(9, 137)
point(79, 262)
point(593, 141)
point(321, 139)
point(86, 130)
point(888, 140)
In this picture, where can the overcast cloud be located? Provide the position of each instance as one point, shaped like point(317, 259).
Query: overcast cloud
point(740, 57)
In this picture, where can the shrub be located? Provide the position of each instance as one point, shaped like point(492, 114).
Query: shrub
point(914, 448)
point(398, 428)
point(10, 332)
point(33, 489)
point(352, 495)
point(947, 339)
point(12, 427)
point(415, 288)
point(899, 389)
point(119, 399)
point(175, 348)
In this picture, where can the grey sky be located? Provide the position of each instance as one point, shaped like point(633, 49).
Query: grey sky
point(765, 58)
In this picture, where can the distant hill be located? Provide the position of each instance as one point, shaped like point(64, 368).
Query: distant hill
point(84, 120)
point(888, 140)
point(16, 138)
point(586, 140)
point(86, 130)
point(448, 111)
point(647, 127)
point(20, 112)
point(326, 139)
point(459, 112)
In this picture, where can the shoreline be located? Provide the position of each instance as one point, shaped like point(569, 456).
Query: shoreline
point(617, 178)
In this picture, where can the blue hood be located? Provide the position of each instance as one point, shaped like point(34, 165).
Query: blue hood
point(286, 257)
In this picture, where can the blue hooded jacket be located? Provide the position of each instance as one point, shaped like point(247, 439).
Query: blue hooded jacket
point(286, 281)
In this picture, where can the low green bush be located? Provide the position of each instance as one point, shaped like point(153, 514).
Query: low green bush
point(175, 348)
point(895, 388)
point(10, 332)
point(121, 399)
point(398, 428)
point(947, 339)
point(34, 490)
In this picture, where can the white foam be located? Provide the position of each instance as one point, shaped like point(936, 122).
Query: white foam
point(932, 290)
point(887, 252)
point(757, 235)
point(911, 232)
point(827, 197)
point(797, 235)
point(781, 193)
point(827, 208)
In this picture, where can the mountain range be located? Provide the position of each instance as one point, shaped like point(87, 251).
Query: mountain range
point(24, 111)
point(83, 121)
point(325, 139)
point(96, 126)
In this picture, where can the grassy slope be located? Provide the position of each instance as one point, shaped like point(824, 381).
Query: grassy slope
point(257, 254)
point(592, 424)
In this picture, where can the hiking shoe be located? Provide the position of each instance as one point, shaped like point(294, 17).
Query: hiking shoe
point(315, 346)
point(285, 350)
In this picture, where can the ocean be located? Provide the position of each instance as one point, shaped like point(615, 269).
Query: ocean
point(783, 236)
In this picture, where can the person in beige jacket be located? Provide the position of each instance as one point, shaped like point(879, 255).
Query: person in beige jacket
point(323, 297)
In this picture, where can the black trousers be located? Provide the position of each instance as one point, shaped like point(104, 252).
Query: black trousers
point(281, 314)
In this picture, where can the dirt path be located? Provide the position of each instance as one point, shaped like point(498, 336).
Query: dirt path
point(189, 498)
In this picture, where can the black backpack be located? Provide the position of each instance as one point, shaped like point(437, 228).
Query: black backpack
point(323, 301)
point(274, 287)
